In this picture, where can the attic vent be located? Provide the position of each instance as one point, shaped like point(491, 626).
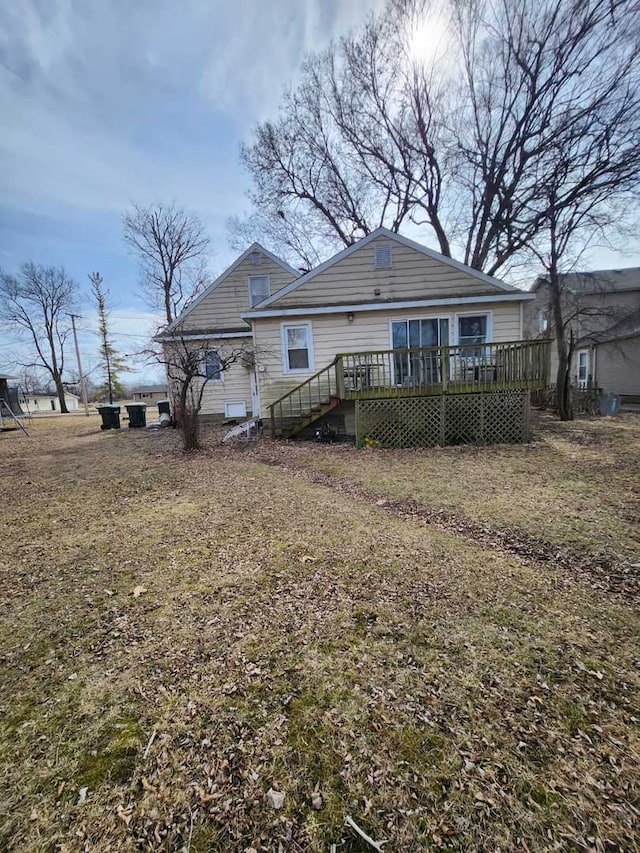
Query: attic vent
point(256, 259)
point(382, 257)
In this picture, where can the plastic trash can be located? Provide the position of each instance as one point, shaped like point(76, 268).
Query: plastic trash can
point(609, 404)
point(137, 415)
point(110, 417)
point(164, 407)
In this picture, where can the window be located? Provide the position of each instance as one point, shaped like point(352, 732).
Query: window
point(235, 410)
point(472, 330)
point(583, 369)
point(543, 322)
point(256, 259)
point(258, 288)
point(213, 366)
point(296, 348)
point(381, 257)
point(419, 366)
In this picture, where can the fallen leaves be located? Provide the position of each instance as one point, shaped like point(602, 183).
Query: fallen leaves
point(275, 798)
point(328, 657)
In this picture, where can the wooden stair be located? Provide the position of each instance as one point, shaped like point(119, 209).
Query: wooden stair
point(305, 404)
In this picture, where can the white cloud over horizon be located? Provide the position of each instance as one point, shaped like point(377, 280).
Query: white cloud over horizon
point(107, 104)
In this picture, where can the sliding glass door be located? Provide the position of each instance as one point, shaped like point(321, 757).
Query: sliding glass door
point(421, 366)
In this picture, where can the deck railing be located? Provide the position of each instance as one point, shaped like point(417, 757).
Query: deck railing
point(415, 371)
point(426, 370)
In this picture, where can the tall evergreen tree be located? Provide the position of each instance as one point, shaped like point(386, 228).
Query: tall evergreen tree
point(111, 363)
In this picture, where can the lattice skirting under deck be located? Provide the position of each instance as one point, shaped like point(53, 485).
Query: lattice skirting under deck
point(500, 417)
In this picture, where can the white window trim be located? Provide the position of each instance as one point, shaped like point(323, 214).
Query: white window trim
point(249, 279)
point(285, 357)
point(408, 317)
point(583, 383)
point(488, 314)
point(220, 379)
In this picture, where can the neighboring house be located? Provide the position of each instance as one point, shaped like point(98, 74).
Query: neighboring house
point(47, 403)
point(384, 317)
point(603, 310)
point(149, 394)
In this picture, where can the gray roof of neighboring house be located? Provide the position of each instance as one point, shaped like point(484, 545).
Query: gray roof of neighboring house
point(150, 389)
point(598, 281)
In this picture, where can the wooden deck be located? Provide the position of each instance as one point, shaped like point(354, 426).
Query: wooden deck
point(414, 372)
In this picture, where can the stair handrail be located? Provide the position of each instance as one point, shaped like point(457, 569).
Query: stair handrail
point(306, 381)
point(298, 390)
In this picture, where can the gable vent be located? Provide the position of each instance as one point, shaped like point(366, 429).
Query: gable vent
point(256, 259)
point(382, 257)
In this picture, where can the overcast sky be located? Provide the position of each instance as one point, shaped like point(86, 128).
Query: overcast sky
point(107, 102)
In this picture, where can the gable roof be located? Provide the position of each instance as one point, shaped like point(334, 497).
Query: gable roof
point(597, 281)
point(398, 238)
point(254, 247)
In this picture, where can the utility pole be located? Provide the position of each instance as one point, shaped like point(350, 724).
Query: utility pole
point(83, 387)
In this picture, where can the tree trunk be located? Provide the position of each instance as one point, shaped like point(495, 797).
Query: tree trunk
point(60, 392)
point(189, 421)
point(563, 376)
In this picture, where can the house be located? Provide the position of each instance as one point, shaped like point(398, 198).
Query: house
point(149, 394)
point(42, 403)
point(213, 322)
point(384, 318)
point(602, 308)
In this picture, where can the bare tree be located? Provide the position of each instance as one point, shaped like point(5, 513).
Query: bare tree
point(377, 134)
point(190, 366)
point(336, 158)
point(522, 147)
point(171, 246)
point(110, 364)
point(37, 302)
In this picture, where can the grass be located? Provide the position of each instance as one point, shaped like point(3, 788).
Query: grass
point(446, 694)
point(576, 484)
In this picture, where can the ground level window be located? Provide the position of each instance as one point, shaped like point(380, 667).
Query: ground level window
point(213, 366)
point(296, 344)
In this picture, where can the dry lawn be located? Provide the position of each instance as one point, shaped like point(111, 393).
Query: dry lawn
point(576, 485)
point(179, 635)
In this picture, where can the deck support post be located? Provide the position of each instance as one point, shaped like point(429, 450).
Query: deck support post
point(340, 377)
point(444, 368)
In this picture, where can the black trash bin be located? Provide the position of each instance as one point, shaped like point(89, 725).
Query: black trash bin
point(137, 415)
point(164, 408)
point(110, 417)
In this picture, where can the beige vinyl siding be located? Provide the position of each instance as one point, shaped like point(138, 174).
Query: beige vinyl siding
point(370, 330)
point(412, 275)
point(234, 388)
point(222, 308)
point(618, 366)
point(235, 385)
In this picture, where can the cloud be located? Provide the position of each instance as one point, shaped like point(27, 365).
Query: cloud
point(111, 103)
